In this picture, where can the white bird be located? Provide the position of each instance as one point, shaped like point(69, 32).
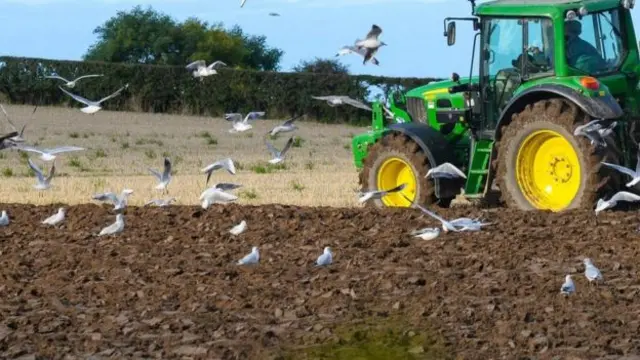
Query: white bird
point(20, 137)
point(635, 175)
point(56, 218)
point(119, 202)
point(379, 194)
point(251, 258)
point(346, 50)
point(274, 14)
point(426, 233)
point(161, 202)
point(568, 287)
point(42, 182)
point(200, 68)
point(4, 219)
point(326, 258)
point(93, 106)
point(48, 154)
point(446, 170)
point(613, 201)
point(114, 228)
point(287, 126)
point(216, 194)
point(278, 156)
point(239, 229)
point(591, 272)
point(335, 100)
point(242, 3)
point(226, 163)
point(71, 84)
point(595, 131)
point(371, 43)
point(457, 225)
point(165, 178)
point(241, 125)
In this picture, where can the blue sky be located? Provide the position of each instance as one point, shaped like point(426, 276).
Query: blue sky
point(63, 29)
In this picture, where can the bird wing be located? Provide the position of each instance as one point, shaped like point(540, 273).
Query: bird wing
point(448, 168)
point(227, 186)
point(625, 196)
point(286, 146)
point(197, 64)
point(216, 64)
point(37, 170)
point(638, 161)
point(52, 171)
point(395, 189)
point(229, 165)
point(272, 149)
point(593, 125)
point(156, 174)
point(77, 97)
point(330, 97)
point(253, 115)
point(167, 168)
point(29, 148)
point(622, 169)
point(290, 121)
point(374, 32)
point(8, 118)
point(114, 94)
point(62, 149)
point(108, 196)
point(56, 77)
point(88, 76)
point(233, 117)
point(355, 103)
point(426, 211)
point(8, 136)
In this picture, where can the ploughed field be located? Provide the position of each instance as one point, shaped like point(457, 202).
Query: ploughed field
point(169, 287)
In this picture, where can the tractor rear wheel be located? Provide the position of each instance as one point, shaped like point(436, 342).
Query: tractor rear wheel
point(542, 165)
point(393, 160)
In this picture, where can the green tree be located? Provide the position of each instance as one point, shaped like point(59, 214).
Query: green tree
point(322, 66)
point(150, 37)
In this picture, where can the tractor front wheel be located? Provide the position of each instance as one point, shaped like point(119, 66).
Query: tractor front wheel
point(542, 165)
point(392, 161)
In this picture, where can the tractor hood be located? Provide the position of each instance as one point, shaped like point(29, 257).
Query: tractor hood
point(438, 86)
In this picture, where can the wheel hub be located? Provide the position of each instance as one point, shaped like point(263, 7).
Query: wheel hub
point(392, 172)
point(561, 169)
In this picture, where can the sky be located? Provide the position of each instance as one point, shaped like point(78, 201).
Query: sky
point(413, 29)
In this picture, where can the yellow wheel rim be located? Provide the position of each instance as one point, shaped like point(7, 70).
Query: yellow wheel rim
point(394, 172)
point(548, 170)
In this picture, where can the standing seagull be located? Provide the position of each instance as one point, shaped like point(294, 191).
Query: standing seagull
point(71, 84)
point(4, 219)
point(55, 219)
point(252, 258)
point(278, 156)
point(287, 126)
point(93, 106)
point(568, 287)
point(43, 183)
point(220, 164)
point(591, 272)
point(114, 228)
point(239, 229)
point(165, 178)
point(200, 68)
point(326, 258)
point(346, 50)
point(371, 43)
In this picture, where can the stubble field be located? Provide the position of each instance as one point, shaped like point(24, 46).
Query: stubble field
point(121, 146)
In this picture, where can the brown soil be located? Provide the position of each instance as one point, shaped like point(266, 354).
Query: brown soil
point(168, 287)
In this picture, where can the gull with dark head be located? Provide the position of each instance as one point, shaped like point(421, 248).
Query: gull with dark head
point(226, 164)
point(371, 43)
point(165, 178)
point(200, 68)
point(71, 84)
point(278, 156)
point(93, 106)
point(335, 100)
point(119, 202)
point(43, 183)
point(287, 126)
point(48, 154)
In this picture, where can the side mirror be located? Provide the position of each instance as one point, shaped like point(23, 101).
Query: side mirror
point(451, 33)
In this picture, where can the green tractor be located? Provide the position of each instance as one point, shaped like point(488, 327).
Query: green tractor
point(546, 67)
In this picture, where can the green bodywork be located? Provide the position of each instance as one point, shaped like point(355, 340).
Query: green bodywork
point(473, 153)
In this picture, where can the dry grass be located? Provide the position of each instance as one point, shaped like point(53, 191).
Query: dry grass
point(122, 146)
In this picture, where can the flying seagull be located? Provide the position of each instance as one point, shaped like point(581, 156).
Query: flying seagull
point(165, 178)
point(446, 170)
point(379, 194)
point(346, 50)
point(274, 14)
point(220, 164)
point(19, 138)
point(635, 174)
point(456, 225)
point(371, 43)
point(287, 126)
point(240, 125)
point(93, 106)
point(114, 228)
point(242, 3)
point(71, 84)
point(5, 140)
point(595, 131)
point(48, 154)
point(335, 100)
point(216, 194)
point(56, 218)
point(42, 182)
point(613, 201)
point(278, 156)
point(119, 202)
point(200, 68)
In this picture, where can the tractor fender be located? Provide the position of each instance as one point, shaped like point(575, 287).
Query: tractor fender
point(435, 146)
point(601, 107)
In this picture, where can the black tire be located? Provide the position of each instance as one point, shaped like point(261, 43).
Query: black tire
point(561, 116)
point(400, 146)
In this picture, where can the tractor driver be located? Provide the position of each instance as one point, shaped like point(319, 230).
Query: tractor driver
point(580, 54)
